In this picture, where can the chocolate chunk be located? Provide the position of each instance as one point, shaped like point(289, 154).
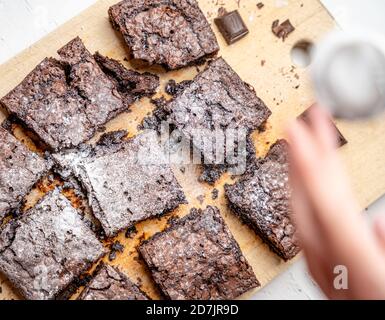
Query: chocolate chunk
point(260, 5)
point(262, 199)
point(20, 169)
point(197, 258)
point(47, 249)
point(231, 26)
point(109, 283)
point(173, 33)
point(341, 139)
point(282, 30)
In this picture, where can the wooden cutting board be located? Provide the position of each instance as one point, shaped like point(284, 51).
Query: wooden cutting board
point(284, 88)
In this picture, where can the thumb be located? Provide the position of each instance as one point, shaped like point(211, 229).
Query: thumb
point(379, 229)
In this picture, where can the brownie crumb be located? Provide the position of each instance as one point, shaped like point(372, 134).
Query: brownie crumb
point(115, 248)
point(131, 232)
point(282, 30)
point(214, 194)
point(172, 220)
point(263, 62)
point(173, 88)
point(201, 199)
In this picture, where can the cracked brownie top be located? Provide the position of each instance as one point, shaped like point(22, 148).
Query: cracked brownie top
point(20, 169)
point(46, 249)
point(217, 99)
point(111, 284)
point(262, 199)
point(66, 101)
point(173, 33)
point(126, 181)
point(198, 259)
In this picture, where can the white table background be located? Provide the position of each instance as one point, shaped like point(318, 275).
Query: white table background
point(23, 22)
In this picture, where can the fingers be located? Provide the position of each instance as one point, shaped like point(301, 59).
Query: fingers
point(319, 177)
point(322, 129)
point(379, 229)
point(308, 232)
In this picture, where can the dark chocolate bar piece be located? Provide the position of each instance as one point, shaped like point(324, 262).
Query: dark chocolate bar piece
point(126, 181)
point(20, 169)
point(282, 30)
point(197, 258)
point(109, 283)
point(172, 33)
point(341, 139)
point(231, 26)
point(47, 249)
point(262, 199)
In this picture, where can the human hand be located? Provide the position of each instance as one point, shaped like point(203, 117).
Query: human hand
point(331, 229)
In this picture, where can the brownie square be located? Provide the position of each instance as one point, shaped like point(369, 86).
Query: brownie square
point(110, 284)
point(20, 169)
point(173, 33)
point(261, 198)
point(340, 138)
point(66, 101)
point(48, 248)
point(126, 181)
point(198, 259)
point(217, 100)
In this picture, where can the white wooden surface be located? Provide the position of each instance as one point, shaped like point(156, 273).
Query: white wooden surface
point(23, 22)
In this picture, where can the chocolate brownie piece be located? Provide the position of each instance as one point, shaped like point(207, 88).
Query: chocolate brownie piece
point(131, 85)
point(126, 181)
point(197, 258)
point(261, 198)
point(217, 100)
point(48, 248)
point(341, 139)
point(110, 284)
point(65, 102)
point(20, 169)
point(173, 33)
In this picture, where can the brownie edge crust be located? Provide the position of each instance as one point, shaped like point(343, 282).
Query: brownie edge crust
point(172, 33)
point(20, 169)
point(111, 284)
point(198, 259)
